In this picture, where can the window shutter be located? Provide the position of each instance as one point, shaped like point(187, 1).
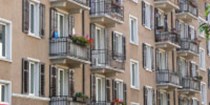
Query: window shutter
point(168, 96)
point(25, 76)
point(71, 23)
point(92, 29)
point(145, 95)
point(53, 80)
point(144, 55)
point(93, 87)
point(154, 97)
point(157, 58)
point(108, 90)
point(153, 60)
point(152, 17)
point(191, 72)
point(124, 47)
point(189, 32)
point(42, 80)
point(143, 13)
point(125, 93)
point(42, 20)
point(71, 82)
point(53, 21)
point(157, 16)
point(114, 43)
point(25, 16)
point(158, 97)
point(114, 89)
point(166, 22)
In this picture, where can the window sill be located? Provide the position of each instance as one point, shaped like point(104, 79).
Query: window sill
point(148, 28)
point(202, 69)
point(133, 43)
point(135, 88)
point(134, 1)
point(31, 97)
point(6, 60)
point(34, 36)
point(148, 70)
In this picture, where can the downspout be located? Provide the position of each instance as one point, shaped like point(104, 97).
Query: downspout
point(83, 65)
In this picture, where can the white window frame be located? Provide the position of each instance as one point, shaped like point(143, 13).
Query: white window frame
point(119, 39)
point(8, 93)
point(103, 89)
point(8, 41)
point(202, 60)
point(135, 1)
point(203, 100)
point(119, 90)
point(136, 84)
point(148, 15)
point(136, 37)
point(149, 95)
point(201, 21)
point(36, 26)
point(149, 57)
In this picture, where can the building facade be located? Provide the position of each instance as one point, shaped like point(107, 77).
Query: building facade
point(104, 52)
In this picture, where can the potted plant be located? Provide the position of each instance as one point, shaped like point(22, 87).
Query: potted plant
point(80, 97)
point(118, 102)
point(80, 40)
point(199, 77)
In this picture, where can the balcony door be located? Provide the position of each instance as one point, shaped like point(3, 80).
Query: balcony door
point(163, 98)
point(100, 46)
point(183, 67)
point(62, 82)
point(162, 60)
point(100, 89)
point(99, 7)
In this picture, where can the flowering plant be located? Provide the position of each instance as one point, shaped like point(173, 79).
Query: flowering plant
point(118, 102)
point(80, 40)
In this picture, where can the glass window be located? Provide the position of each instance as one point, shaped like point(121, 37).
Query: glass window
point(2, 40)
point(133, 30)
point(134, 74)
point(202, 60)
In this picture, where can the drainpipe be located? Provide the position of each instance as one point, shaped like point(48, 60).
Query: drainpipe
point(83, 65)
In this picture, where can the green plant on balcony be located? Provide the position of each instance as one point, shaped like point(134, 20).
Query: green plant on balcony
point(199, 77)
point(80, 97)
point(205, 27)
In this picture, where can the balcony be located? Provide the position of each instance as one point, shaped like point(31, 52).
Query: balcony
point(189, 49)
point(166, 5)
point(106, 13)
point(190, 86)
point(72, 6)
point(63, 100)
point(101, 103)
point(106, 62)
point(167, 40)
point(64, 51)
point(187, 12)
point(167, 80)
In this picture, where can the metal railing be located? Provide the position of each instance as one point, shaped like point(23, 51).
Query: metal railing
point(188, 45)
point(190, 83)
point(64, 46)
point(101, 103)
point(83, 2)
point(186, 6)
point(105, 58)
point(165, 76)
point(107, 7)
point(63, 100)
point(173, 1)
point(167, 36)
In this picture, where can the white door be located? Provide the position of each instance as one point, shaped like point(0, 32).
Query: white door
point(60, 81)
point(100, 46)
point(100, 89)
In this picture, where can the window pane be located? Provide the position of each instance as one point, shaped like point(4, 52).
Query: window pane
point(61, 26)
point(2, 40)
point(61, 82)
point(32, 78)
point(3, 93)
point(32, 18)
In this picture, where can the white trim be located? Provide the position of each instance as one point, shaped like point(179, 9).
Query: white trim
point(137, 26)
point(119, 33)
point(150, 87)
point(201, 68)
point(9, 83)
point(30, 97)
point(135, 1)
point(119, 80)
point(33, 59)
point(134, 103)
point(138, 75)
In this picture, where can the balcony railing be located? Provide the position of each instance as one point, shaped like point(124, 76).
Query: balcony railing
point(63, 46)
point(167, 77)
point(83, 2)
point(101, 103)
point(107, 8)
point(186, 6)
point(189, 45)
point(63, 100)
point(167, 36)
point(102, 58)
point(189, 83)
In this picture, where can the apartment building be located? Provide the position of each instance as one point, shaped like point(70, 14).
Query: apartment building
point(115, 52)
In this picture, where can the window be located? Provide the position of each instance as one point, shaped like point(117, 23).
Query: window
point(161, 59)
point(133, 30)
point(118, 47)
point(202, 59)
point(193, 69)
point(5, 94)
point(61, 81)
point(195, 101)
point(164, 98)
point(33, 77)
point(148, 57)
point(147, 15)
point(203, 94)
point(192, 32)
point(100, 89)
point(149, 97)
point(5, 39)
point(134, 68)
point(119, 90)
point(61, 21)
point(201, 21)
point(33, 22)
